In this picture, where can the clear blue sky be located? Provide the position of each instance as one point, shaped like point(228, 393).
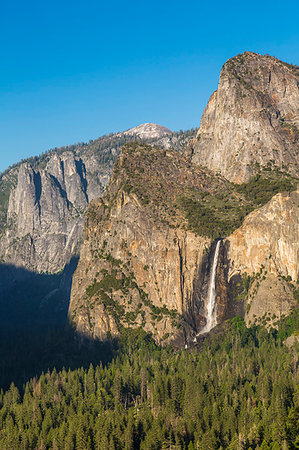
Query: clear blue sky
point(75, 70)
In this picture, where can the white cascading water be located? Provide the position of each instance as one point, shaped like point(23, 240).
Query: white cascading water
point(211, 306)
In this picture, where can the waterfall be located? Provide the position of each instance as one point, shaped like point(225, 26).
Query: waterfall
point(211, 306)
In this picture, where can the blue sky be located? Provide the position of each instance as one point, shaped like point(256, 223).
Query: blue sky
point(73, 71)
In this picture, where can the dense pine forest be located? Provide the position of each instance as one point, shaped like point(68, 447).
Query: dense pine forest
point(235, 390)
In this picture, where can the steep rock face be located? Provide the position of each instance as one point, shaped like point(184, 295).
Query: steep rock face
point(269, 236)
point(251, 120)
point(266, 247)
point(139, 264)
point(270, 299)
point(70, 173)
point(163, 262)
point(45, 215)
point(42, 202)
point(145, 260)
point(136, 267)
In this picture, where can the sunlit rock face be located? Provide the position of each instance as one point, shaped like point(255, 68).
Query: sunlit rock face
point(268, 236)
point(45, 214)
point(41, 220)
point(127, 237)
point(266, 247)
point(251, 120)
point(142, 265)
point(149, 131)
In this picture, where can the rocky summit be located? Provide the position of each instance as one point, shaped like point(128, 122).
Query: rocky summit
point(251, 120)
point(148, 131)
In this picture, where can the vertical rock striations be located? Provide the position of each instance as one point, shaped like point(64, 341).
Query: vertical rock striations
point(251, 120)
point(138, 262)
point(42, 202)
point(42, 206)
point(148, 252)
point(269, 236)
point(45, 215)
point(266, 248)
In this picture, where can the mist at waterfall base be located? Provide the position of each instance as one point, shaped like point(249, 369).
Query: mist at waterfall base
point(211, 317)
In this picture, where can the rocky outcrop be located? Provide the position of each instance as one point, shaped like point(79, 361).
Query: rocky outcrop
point(266, 248)
point(131, 245)
point(141, 263)
point(137, 266)
point(269, 236)
point(148, 131)
point(44, 200)
point(45, 215)
point(269, 300)
point(160, 136)
point(252, 120)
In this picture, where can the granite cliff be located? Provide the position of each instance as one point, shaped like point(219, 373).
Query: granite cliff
point(148, 248)
point(251, 120)
point(138, 261)
point(46, 197)
point(266, 249)
point(43, 227)
point(42, 205)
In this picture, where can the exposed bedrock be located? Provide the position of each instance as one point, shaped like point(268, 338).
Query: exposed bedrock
point(251, 120)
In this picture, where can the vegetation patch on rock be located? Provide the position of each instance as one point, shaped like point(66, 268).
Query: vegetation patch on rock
point(183, 194)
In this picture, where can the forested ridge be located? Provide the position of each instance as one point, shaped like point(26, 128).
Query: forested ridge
point(236, 391)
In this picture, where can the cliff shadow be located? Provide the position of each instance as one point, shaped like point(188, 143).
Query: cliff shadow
point(30, 300)
point(200, 289)
point(235, 287)
point(35, 335)
point(228, 293)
